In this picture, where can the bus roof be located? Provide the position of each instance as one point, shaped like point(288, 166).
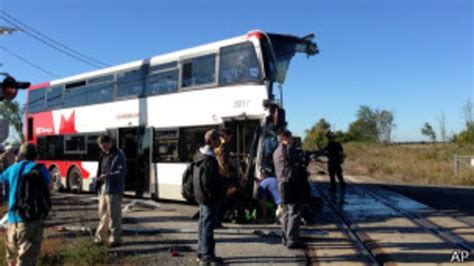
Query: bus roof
point(164, 58)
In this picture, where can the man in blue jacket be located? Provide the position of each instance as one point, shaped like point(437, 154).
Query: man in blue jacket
point(23, 237)
point(110, 185)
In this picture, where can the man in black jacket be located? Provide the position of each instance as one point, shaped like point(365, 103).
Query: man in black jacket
point(336, 156)
point(209, 192)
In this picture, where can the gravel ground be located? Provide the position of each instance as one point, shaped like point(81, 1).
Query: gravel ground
point(165, 234)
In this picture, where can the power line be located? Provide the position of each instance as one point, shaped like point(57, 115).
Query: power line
point(50, 42)
point(51, 45)
point(28, 62)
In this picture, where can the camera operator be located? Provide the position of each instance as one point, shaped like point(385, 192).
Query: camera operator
point(10, 88)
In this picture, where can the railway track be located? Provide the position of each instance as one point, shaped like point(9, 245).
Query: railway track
point(377, 250)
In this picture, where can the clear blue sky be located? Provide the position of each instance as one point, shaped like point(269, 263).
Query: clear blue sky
point(412, 57)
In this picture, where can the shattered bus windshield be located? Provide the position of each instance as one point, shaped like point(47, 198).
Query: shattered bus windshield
point(280, 49)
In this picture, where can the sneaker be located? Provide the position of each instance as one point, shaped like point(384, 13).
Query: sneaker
point(114, 244)
point(211, 261)
point(297, 245)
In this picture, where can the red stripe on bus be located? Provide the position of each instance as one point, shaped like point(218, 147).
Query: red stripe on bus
point(39, 86)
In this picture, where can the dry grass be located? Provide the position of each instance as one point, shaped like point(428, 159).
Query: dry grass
point(418, 164)
point(83, 251)
point(61, 251)
point(50, 250)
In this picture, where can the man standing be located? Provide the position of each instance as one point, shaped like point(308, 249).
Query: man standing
point(285, 159)
point(336, 156)
point(110, 185)
point(209, 191)
point(23, 237)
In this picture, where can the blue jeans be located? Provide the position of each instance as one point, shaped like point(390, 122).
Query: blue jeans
point(207, 223)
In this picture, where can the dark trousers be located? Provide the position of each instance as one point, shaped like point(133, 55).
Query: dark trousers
point(208, 215)
point(336, 170)
point(290, 223)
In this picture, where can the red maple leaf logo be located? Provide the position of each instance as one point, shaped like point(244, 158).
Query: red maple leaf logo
point(68, 126)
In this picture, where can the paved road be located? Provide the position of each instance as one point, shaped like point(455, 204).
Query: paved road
point(152, 230)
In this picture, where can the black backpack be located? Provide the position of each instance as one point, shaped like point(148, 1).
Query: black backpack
point(33, 201)
point(187, 186)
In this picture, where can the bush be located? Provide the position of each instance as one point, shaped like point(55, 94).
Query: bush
point(466, 136)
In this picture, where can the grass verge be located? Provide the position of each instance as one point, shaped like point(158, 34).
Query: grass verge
point(417, 164)
point(57, 251)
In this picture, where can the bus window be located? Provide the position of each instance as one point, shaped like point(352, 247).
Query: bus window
point(129, 83)
point(165, 145)
point(199, 71)
point(36, 100)
point(30, 128)
point(93, 150)
point(99, 80)
point(50, 147)
point(54, 98)
point(75, 144)
point(74, 97)
point(100, 89)
point(163, 82)
point(99, 93)
point(162, 67)
point(238, 64)
point(191, 139)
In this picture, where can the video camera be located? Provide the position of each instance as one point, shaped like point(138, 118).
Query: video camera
point(10, 87)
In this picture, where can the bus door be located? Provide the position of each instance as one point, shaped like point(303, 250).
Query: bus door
point(135, 143)
point(245, 138)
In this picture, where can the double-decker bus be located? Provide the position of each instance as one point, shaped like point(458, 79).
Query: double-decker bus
point(158, 109)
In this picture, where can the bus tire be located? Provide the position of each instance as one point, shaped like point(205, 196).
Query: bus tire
point(74, 180)
point(55, 179)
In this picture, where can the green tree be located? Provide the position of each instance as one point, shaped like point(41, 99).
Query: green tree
point(372, 125)
point(13, 113)
point(315, 137)
point(428, 131)
point(360, 130)
point(365, 127)
point(342, 136)
point(467, 135)
point(385, 125)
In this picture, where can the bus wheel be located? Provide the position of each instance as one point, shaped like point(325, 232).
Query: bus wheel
point(55, 179)
point(74, 180)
